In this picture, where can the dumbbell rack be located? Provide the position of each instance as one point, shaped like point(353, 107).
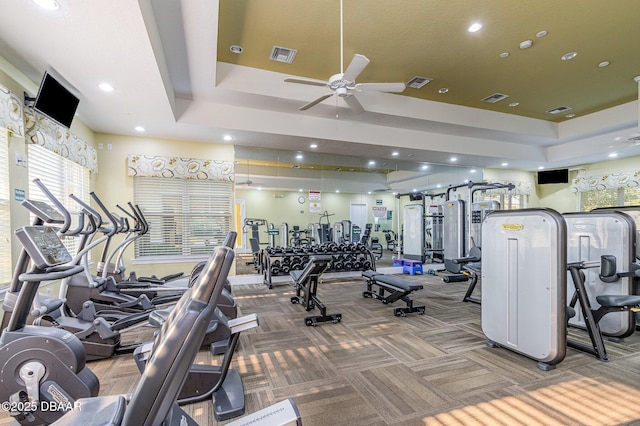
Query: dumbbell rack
point(276, 261)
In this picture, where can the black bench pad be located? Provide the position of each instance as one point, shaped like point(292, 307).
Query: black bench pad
point(397, 282)
point(397, 288)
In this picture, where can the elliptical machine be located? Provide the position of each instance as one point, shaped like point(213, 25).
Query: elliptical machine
point(41, 366)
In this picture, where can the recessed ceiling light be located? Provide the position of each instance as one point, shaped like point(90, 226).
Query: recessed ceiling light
point(415, 190)
point(299, 157)
point(570, 115)
point(526, 44)
point(439, 185)
point(372, 163)
point(395, 153)
point(106, 87)
point(453, 159)
point(504, 164)
point(472, 171)
point(337, 191)
point(300, 190)
point(369, 192)
point(604, 64)
point(228, 137)
point(235, 48)
point(443, 90)
point(475, 27)
point(514, 104)
point(569, 56)
point(541, 34)
point(424, 167)
point(540, 167)
point(139, 129)
point(505, 54)
point(465, 181)
point(313, 146)
point(47, 4)
point(613, 155)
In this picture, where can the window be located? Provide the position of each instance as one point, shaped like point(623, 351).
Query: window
point(516, 199)
point(631, 197)
point(590, 200)
point(62, 177)
point(5, 222)
point(186, 217)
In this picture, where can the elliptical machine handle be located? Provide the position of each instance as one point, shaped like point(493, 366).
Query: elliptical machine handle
point(106, 211)
point(61, 208)
point(51, 274)
point(88, 208)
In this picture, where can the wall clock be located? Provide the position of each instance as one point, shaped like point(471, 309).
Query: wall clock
point(301, 199)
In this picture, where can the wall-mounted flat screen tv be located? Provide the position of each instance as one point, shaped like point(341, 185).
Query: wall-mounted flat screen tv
point(553, 176)
point(56, 101)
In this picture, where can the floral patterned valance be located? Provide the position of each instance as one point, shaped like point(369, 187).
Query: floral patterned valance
point(11, 112)
point(610, 181)
point(47, 133)
point(180, 168)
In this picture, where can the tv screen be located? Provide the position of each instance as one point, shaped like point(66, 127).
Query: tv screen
point(55, 101)
point(553, 176)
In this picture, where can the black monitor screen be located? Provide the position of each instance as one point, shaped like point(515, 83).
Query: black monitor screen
point(553, 176)
point(55, 101)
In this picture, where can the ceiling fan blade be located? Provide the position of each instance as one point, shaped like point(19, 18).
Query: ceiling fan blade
point(380, 87)
point(315, 102)
point(358, 63)
point(308, 82)
point(353, 103)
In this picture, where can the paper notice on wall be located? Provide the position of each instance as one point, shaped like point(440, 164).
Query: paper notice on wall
point(379, 212)
point(314, 195)
point(315, 207)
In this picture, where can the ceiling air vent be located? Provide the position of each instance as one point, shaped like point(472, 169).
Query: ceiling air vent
point(282, 54)
point(418, 82)
point(559, 109)
point(496, 97)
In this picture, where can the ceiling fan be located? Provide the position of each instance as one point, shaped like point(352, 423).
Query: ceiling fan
point(344, 83)
point(247, 181)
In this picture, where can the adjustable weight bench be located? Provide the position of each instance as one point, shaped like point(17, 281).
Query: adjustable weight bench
point(398, 289)
point(305, 282)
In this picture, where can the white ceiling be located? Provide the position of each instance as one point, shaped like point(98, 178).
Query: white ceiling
point(160, 55)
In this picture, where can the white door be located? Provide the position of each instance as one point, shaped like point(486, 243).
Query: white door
point(358, 215)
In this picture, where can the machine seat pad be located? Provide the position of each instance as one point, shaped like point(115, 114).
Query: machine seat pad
point(103, 410)
point(612, 301)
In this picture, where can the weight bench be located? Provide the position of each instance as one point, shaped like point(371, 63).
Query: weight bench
point(305, 282)
point(398, 289)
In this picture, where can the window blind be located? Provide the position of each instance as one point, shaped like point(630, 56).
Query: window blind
point(62, 177)
point(186, 217)
point(5, 219)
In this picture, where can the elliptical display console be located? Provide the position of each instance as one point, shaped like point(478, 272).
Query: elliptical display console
point(43, 246)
